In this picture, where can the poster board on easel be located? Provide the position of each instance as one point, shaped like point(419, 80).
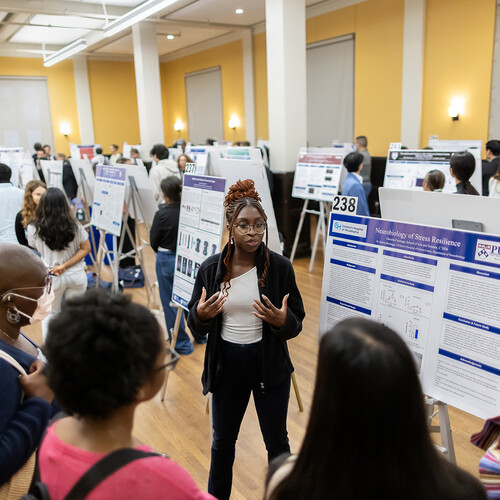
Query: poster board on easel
point(13, 157)
point(234, 170)
point(200, 230)
point(53, 173)
point(85, 178)
point(145, 207)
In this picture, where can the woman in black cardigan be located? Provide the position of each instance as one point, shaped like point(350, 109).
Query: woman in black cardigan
point(247, 301)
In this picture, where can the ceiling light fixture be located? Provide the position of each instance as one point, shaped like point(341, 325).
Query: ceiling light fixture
point(65, 52)
point(135, 15)
point(170, 37)
point(239, 11)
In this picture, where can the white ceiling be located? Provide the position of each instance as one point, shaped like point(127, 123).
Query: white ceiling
point(56, 23)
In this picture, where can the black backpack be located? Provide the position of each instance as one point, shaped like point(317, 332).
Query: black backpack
point(95, 475)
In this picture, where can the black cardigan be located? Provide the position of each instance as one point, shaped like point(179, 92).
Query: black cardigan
point(280, 280)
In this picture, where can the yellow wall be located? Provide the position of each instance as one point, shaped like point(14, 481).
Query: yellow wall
point(230, 59)
point(458, 62)
point(114, 103)
point(378, 29)
point(260, 86)
point(62, 95)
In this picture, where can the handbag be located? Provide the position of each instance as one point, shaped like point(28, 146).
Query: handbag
point(94, 476)
point(131, 277)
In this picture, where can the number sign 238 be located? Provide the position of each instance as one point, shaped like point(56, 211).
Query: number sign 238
point(345, 204)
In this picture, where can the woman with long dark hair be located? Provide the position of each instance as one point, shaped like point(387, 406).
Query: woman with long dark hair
point(367, 436)
point(63, 244)
point(32, 194)
point(462, 166)
point(247, 301)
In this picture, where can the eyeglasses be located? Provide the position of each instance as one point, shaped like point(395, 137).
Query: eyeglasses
point(47, 287)
point(171, 358)
point(244, 228)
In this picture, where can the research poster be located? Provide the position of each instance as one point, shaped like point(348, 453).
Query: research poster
point(406, 169)
point(13, 157)
point(200, 230)
point(438, 288)
point(109, 195)
point(317, 176)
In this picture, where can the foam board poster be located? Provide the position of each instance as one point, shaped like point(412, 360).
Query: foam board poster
point(317, 176)
point(145, 204)
point(13, 157)
point(87, 152)
point(109, 195)
point(438, 288)
point(406, 169)
point(53, 173)
point(200, 230)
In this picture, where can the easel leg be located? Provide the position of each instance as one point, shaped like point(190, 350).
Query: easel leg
point(299, 229)
point(445, 430)
point(297, 392)
point(319, 226)
point(174, 331)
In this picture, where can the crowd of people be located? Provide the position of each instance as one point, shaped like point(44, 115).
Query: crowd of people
point(75, 397)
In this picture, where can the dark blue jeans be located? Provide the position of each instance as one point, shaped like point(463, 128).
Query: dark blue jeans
point(165, 266)
point(241, 376)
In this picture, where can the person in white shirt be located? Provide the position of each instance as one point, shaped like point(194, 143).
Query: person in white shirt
point(11, 202)
point(63, 244)
point(494, 185)
point(99, 159)
point(164, 168)
point(115, 155)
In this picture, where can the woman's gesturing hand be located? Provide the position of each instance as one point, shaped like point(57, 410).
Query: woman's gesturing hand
point(270, 313)
point(208, 309)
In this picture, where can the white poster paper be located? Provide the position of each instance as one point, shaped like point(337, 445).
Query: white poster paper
point(13, 157)
point(109, 195)
point(317, 176)
point(53, 173)
point(436, 287)
point(145, 203)
point(200, 230)
point(85, 178)
point(406, 169)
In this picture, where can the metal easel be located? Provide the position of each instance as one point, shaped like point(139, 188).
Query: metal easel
point(444, 427)
point(320, 229)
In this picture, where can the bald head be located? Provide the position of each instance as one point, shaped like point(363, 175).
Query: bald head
point(20, 267)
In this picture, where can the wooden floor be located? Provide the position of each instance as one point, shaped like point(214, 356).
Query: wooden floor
point(179, 427)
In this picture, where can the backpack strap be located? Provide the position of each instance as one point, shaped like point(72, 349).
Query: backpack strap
point(103, 469)
point(9, 359)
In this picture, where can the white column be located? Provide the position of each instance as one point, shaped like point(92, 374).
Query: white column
point(286, 81)
point(83, 102)
point(147, 80)
point(413, 70)
point(248, 86)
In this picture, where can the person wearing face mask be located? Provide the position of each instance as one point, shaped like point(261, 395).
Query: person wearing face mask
point(63, 244)
point(25, 297)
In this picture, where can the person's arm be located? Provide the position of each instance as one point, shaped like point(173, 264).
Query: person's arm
point(21, 434)
point(20, 233)
point(81, 253)
point(362, 201)
point(155, 184)
point(155, 232)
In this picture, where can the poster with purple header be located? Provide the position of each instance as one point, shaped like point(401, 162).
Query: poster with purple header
point(109, 195)
point(437, 288)
point(200, 230)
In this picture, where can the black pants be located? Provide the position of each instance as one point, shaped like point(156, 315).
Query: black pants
point(240, 376)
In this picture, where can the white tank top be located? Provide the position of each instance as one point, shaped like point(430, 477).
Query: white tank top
point(239, 325)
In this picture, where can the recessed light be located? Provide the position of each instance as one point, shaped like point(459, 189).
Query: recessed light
point(170, 37)
point(239, 11)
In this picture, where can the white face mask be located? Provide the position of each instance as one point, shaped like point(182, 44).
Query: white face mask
point(43, 304)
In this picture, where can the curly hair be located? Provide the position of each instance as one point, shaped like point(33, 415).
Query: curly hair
point(242, 194)
point(54, 222)
point(29, 207)
point(101, 349)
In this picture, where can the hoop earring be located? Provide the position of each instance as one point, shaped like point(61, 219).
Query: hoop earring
point(13, 316)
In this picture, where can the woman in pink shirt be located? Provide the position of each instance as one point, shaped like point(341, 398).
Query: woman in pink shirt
point(105, 356)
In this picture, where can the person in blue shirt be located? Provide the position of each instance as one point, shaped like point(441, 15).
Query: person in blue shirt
point(353, 183)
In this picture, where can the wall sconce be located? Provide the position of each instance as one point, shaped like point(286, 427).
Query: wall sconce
point(65, 128)
point(456, 108)
point(234, 122)
point(178, 126)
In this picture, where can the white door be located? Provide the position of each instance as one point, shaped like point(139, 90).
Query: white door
point(26, 115)
point(204, 105)
point(330, 91)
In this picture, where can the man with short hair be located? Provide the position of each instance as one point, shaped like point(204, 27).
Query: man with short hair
point(490, 165)
point(99, 159)
point(134, 155)
point(11, 202)
point(46, 150)
point(353, 183)
point(163, 168)
point(362, 147)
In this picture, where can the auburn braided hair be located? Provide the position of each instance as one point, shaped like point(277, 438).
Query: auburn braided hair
point(242, 194)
